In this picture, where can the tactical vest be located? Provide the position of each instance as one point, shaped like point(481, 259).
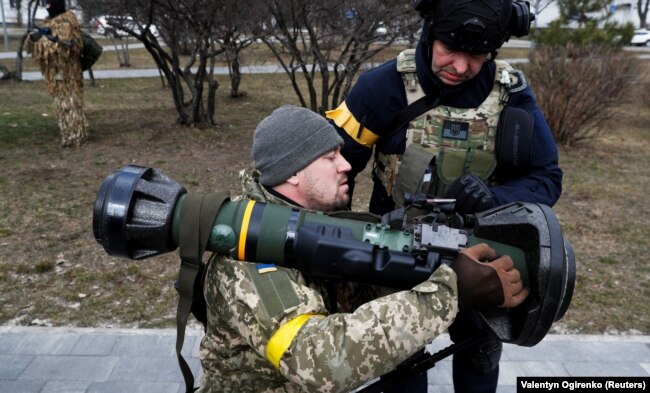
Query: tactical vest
point(445, 142)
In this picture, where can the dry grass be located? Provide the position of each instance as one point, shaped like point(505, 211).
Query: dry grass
point(605, 210)
point(51, 268)
point(53, 272)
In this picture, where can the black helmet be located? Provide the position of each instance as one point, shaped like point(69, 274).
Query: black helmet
point(474, 26)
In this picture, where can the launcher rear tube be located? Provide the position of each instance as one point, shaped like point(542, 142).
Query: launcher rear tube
point(253, 231)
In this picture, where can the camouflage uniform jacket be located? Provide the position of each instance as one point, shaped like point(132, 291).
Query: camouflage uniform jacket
point(323, 352)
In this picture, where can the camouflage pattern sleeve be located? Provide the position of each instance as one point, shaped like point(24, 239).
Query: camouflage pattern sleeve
point(243, 313)
point(342, 351)
point(332, 353)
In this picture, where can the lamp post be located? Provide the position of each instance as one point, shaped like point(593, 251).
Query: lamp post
point(4, 24)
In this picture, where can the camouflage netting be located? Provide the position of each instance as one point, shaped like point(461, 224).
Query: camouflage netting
point(61, 69)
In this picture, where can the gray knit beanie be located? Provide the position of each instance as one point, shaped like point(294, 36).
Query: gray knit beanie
point(288, 140)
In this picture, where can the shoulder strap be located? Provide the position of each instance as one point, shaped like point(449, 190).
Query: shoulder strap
point(416, 107)
point(414, 110)
point(512, 78)
point(197, 216)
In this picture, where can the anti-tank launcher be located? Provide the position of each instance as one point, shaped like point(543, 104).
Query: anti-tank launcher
point(139, 213)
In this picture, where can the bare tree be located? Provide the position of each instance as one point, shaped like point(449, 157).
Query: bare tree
point(540, 5)
point(19, 12)
point(116, 17)
point(31, 15)
point(237, 28)
point(642, 9)
point(325, 44)
point(183, 25)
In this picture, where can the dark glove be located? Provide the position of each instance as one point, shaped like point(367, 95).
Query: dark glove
point(471, 195)
point(40, 32)
point(35, 36)
point(482, 285)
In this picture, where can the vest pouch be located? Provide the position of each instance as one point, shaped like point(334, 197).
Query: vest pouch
point(451, 166)
point(482, 164)
point(415, 173)
point(453, 163)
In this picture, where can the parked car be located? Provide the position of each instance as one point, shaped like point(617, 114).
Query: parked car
point(381, 29)
point(109, 26)
point(100, 24)
point(641, 37)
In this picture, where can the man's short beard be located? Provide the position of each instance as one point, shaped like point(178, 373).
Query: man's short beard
point(337, 204)
point(314, 199)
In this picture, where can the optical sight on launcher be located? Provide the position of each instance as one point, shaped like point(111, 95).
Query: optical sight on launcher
point(139, 213)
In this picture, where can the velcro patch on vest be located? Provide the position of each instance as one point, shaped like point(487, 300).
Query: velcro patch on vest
point(455, 130)
point(274, 288)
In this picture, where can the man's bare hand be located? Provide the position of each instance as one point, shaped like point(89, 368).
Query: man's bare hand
point(513, 288)
point(487, 284)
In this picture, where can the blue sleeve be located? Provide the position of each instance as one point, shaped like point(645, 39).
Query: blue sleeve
point(377, 98)
point(374, 101)
point(542, 183)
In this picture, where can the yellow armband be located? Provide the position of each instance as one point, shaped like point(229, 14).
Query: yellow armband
point(343, 118)
point(282, 338)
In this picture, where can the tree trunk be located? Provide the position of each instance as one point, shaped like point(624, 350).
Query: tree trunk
point(127, 57)
point(177, 93)
point(19, 56)
point(213, 85)
point(234, 69)
point(19, 13)
point(198, 112)
point(642, 9)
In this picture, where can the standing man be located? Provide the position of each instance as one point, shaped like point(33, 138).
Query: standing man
point(448, 119)
point(56, 47)
point(269, 329)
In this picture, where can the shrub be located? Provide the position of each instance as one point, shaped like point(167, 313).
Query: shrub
point(579, 87)
point(609, 34)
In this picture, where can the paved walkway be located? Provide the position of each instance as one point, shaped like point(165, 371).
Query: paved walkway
point(73, 360)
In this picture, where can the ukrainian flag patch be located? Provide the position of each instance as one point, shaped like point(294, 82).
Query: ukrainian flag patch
point(265, 268)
